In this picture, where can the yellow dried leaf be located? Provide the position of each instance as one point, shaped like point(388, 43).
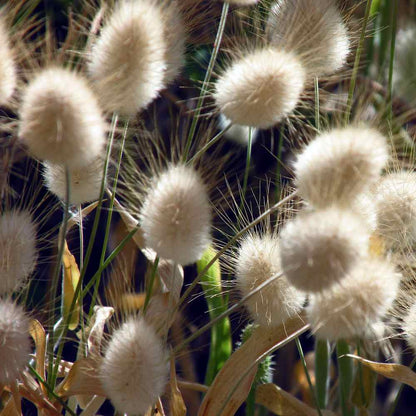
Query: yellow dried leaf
point(280, 402)
point(240, 368)
point(71, 279)
point(396, 372)
point(37, 332)
point(176, 404)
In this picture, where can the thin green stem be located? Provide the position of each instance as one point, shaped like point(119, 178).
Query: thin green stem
point(149, 288)
point(392, 50)
point(207, 79)
point(399, 393)
point(322, 365)
point(308, 377)
point(247, 168)
point(345, 374)
point(317, 105)
point(358, 53)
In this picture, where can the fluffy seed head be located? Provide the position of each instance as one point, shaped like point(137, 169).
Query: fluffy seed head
point(139, 51)
point(314, 30)
point(15, 344)
point(17, 249)
point(340, 164)
point(60, 119)
point(237, 133)
point(261, 88)
point(257, 261)
point(396, 209)
point(134, 370)
point(318, 249)
point(8, 75)
point(85, 182)
point(350, 308)
point(176, 215)
point(243, 2)
point(409, 327)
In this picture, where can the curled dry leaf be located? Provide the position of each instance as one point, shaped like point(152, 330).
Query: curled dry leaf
point(225, 396)
point(99, 318)
point(37, 332)
point(397, 372)
point(176, 404)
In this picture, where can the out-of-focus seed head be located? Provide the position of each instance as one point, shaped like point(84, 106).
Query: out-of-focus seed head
point(395, 198)
point(18, 251)
point(15, 345)
point(318, 249)
point(314, 29)
point(8, 76)
point(338, 165)
point(134, 371)
point(85, 183)
point(60, 120)
point(409, 327)
point(351, 308)
point(176, 215)
point(261, 88)
point(257, 261)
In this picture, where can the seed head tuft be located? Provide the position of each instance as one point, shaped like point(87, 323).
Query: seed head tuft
point(8, 77)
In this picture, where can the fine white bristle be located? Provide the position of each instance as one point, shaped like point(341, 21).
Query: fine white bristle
point(60, 120)
point(257, 261)
point(8, 76)
point(318, 249)
point(176, 215)
point(261, 88)
point(18, 252)
point(134, 370)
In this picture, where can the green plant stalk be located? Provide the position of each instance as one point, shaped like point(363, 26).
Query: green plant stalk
point(207, 79)
point(279, 160)
point(57, 272)
point(322, 366)
point(356, 67)
point(221, 343)
point(109, 217)
point(385, 18)
point(394, 5)
point(399, 393)
point(308, 377)
point(346, 376)
point(317, 105)
point(149, 288)
point(247, 168)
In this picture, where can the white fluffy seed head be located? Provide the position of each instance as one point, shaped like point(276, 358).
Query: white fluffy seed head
point(134, 371)
point(176, 215)
point(257, 261)
point(139, 51)
point(313, 29)
point(261, 88)
point(409, 327)
point(318, 249)
point(8, 77)
point(395, 198)
point(60, 120)
point(350, 308)
point(85, 183)
point(18, 252)
point(338, 165)
point(15, 345)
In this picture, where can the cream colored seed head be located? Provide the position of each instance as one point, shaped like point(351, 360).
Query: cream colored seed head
point(409, 327)
point(176, 215)
point(340, 164)
point(130, 61)
point(18, 251)
point(134, 371)
point(261, 88)
point(257, 261)
point(8, 76)
point(60, 120)
point(350, 309)
point(313, 29)
point(85, 184)
point(15, 345)
point(318, 249)
point(395, 198)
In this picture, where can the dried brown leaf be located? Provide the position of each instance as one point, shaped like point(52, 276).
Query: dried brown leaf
point(37, 332)
point(176, 403)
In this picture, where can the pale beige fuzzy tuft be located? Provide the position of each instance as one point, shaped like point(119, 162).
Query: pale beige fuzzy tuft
point(318, 249)
point(8, 75)
point(409, 327)
point(257, 261)
point(261, 88)
point(15, 345)
point(134, 371)
point(85, 184)
point(350, 309)
point(18, 253)
point(60, 120)
point(176, 215)
point(314, 29)
point(338, 165)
